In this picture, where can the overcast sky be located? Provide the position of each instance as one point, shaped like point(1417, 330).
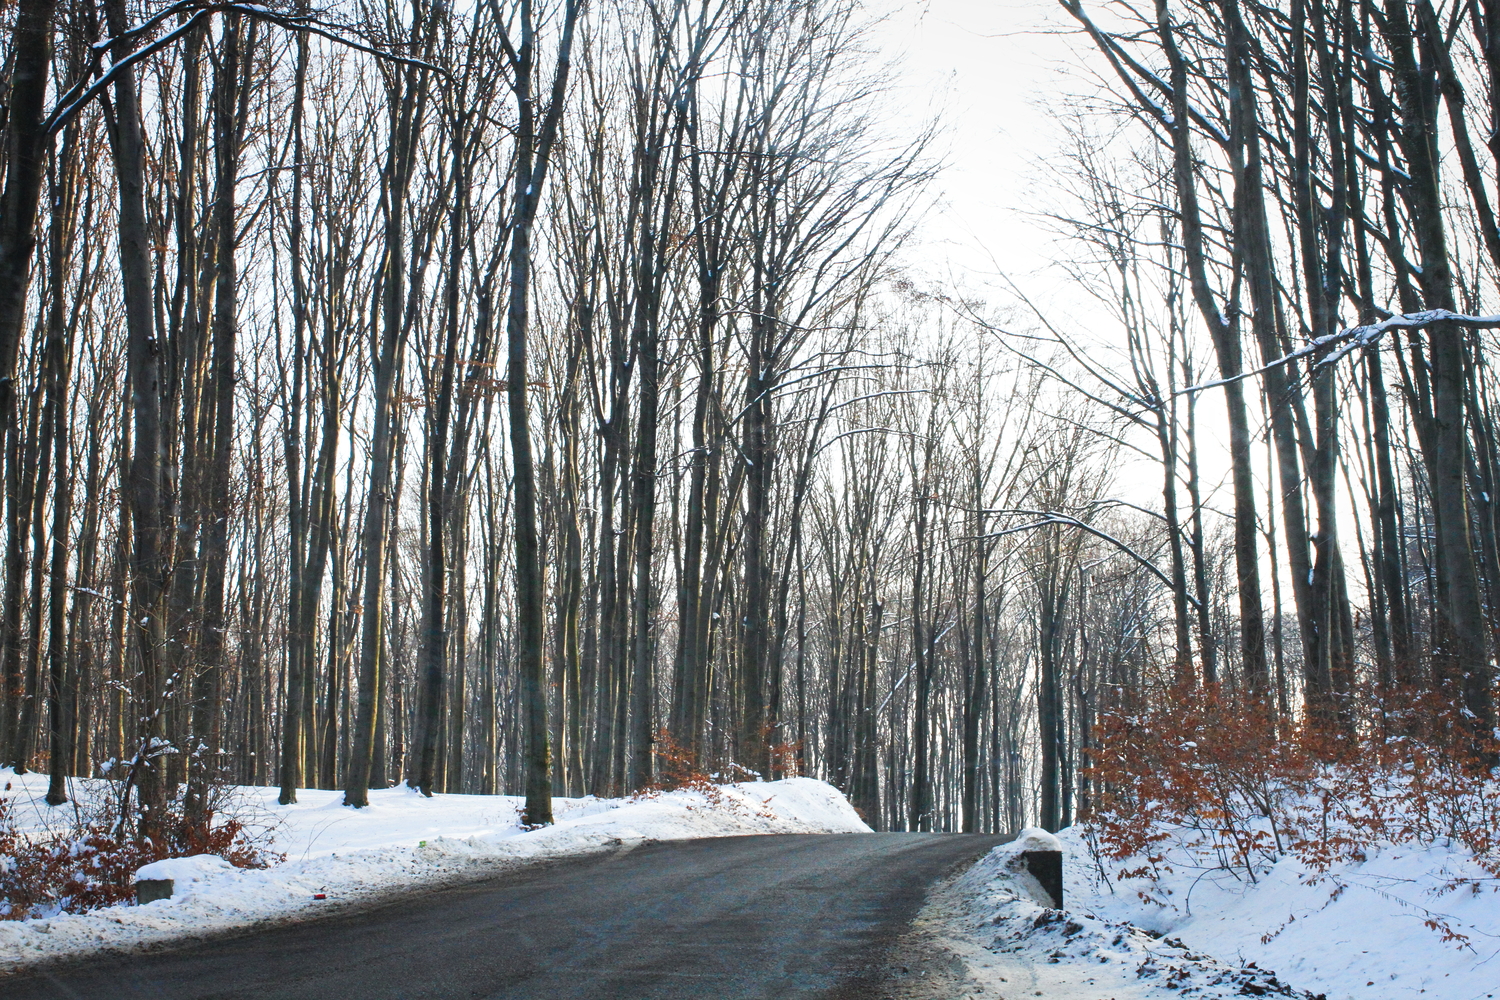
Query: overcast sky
point(997, 73)
point(989, 69)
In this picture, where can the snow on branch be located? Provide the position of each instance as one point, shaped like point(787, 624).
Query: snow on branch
point(1340, 345)
point(84, 91)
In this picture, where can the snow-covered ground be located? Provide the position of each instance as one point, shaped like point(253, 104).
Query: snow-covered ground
point(402, 839)
point(994, 919)
point(1360, 932)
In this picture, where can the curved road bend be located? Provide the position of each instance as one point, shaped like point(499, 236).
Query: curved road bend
point(744, 917)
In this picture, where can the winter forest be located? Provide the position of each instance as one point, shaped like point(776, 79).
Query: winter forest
point(542, 397)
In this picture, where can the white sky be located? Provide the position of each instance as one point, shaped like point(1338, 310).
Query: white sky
point(996, 73)
point(986, 69)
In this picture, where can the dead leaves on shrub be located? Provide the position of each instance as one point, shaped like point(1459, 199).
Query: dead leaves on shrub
point(92, 864)
point(1241, 790)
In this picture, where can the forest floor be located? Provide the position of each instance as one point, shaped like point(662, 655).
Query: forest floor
point(340, 858)
point(1357, 932)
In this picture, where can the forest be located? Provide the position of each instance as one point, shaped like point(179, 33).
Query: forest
point(540, 397)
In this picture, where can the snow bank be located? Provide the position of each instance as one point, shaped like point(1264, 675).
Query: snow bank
point(1361, 931)
point(402, 839)
point(190, 869)
point(1033, 838)
point(1358, 931)
point(1012, 946)
point(1008, 862)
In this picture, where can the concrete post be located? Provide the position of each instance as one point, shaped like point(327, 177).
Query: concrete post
point(1046, 868)
point(149, 890)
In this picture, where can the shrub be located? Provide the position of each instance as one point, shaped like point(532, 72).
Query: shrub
point(92, 863)
point(677, 769)
point(1238, 790)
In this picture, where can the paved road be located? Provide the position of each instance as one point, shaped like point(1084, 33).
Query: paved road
point(744, 917)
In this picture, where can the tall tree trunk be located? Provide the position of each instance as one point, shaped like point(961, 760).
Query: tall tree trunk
point(25, 143)
point(58, 362)
point(229, 109)
point(367, 757)
point(434, 648)
point(533, 153)
point(144, 485)
point(1461, 653)
point(299, 647)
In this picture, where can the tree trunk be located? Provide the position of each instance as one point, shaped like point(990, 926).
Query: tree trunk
point(229, 108)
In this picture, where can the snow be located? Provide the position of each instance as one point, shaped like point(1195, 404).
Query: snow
point(399, 841)
point(1033, 838)
point(189, 869)
point(1357, 931)
point(1012, 946)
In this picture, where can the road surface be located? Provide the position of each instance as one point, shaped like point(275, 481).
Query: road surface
point(725, 919)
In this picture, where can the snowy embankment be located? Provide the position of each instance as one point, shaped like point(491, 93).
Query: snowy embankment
point(1359, 931)
point(401, 840)
point(1374, 928)
point(1013, 946)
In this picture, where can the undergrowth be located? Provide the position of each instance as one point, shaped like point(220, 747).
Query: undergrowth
point(678, 768)
point(1237, 790)
point(91, 862)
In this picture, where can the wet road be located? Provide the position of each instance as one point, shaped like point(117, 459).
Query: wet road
point(744, 917)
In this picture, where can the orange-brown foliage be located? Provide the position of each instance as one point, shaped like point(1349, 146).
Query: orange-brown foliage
point(1224, 778)
point(93, 863)
point(677, 768)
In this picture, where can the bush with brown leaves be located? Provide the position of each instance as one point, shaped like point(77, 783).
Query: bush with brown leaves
point(92, 863)
point(1237, 789)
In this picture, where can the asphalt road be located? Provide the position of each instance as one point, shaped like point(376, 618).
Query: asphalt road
point(743, 917)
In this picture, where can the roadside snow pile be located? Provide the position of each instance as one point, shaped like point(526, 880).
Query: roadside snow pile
point(182, 871)
point(400, 840)
point(1013, 946)
point(1387, 927)
point(1033, 838)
